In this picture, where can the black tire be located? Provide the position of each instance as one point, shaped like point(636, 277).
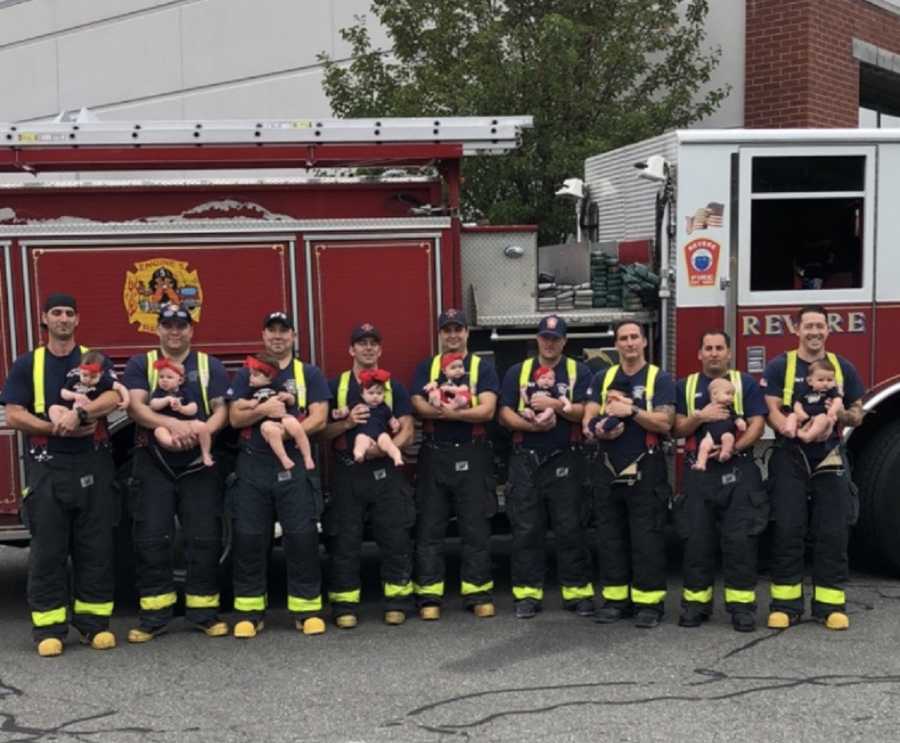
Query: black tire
point(877, 473)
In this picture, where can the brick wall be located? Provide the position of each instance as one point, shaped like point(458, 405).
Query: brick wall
point(800, 68)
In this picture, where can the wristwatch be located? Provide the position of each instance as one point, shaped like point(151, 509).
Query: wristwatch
point(83, 416)
point(635, 410)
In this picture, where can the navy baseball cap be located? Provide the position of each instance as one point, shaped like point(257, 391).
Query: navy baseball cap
point(174, 313)
point(553, 326)
point(366, 330)
point(60, 300)
point(278, 317)
point(452, 317)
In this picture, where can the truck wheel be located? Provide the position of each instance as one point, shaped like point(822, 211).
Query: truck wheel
point(877, 472)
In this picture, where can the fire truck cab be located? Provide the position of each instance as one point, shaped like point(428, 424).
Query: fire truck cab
point(753, 224)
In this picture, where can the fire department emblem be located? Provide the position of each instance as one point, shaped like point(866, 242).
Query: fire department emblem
point(551, 323)
point(702, 257)
point(157, 282)
point(367, 326)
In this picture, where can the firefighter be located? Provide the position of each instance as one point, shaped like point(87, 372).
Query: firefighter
point(725, 503)
point(630, 482)
point(545, 474)
point(375, 486)
point(68, 502)
point(455, 470)
point(264, 490)
point(810, 482)
point(166, 483)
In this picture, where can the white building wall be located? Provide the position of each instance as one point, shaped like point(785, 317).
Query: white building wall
point(170, 59)
point(203, 59)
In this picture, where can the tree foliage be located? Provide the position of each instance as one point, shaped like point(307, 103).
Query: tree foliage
point(595, 74)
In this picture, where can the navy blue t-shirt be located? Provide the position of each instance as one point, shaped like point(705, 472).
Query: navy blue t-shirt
point(773, 386)
point(135, 378)
point(184, 397)
point(623, 450)
point(754, 404)
point(560, 436)
point(316, 391)
point(378, 422)
point(19, 390)
point(457, 432)
point(401, 406)
point(73, 384)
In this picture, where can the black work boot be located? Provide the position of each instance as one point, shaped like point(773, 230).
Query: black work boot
point(743, 621)
point(611, 613)
point(584, 608)
point(527, 609)
point(692, 615)
point(647, 618)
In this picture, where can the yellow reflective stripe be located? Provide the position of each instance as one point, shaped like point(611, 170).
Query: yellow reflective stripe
point(527, 592)
point(432, 589)
point(152, 374)
point(37, 379)
point(786, 593)
point(162, 601)
point(300, 382)
point(690, 393)
point(574, 593)
point(104, 609)
point(392, 590)
point(607, 381)
point(615, 593)
point(474, 365)
point(701, 597)
point(46, 618)
point(650, 385)
point(467, 589)
point(735, 596)
point(790, 377)
point(838, 371)
point(524, 376)
point(389, 395)
point(647, 597)
point(833, 596)
point(344, 597)
point(192, 601)
point(296, 603)
point(249, 603)
point(738, 383)
point(435, 370)
point(572, 374)
point(203, 374)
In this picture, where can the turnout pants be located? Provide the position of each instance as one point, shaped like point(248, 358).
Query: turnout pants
point(630, 519)
point(157, 496)
point(376, 488)
point(825, 502)
point(727, 506)
point(262, 492)
point(456, 477)
point(71, 508)
point(538, 487)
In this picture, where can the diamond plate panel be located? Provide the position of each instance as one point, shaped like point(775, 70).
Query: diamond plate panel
point(493, 283)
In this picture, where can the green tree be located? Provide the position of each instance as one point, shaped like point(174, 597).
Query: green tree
point(595, 74)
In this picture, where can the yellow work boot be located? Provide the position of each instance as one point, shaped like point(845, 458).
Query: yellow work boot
point(245, 629)
point(484, 610)
point(50, 647)
point(394, 617)
point(311, 626)
point(779, 620)
point(141, 634)
point(837, 620)
point(214, 628)
point(104, 640)
point(430, 612)
point(346, 621)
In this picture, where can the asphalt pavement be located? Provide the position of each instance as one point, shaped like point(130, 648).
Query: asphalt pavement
point(557, 677)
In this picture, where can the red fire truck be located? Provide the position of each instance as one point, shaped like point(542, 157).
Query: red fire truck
point(752, 224)
point(341, 221)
